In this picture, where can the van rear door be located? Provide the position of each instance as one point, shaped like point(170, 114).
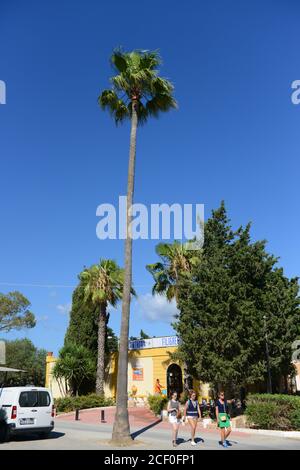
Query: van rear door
point(27, 411)
point(35, 408)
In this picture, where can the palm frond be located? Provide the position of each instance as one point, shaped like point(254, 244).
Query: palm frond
point(117, 108)
point(118, 60)
point(150, 60)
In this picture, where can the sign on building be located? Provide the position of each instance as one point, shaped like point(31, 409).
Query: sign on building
point(137, 373)
point(160, 342)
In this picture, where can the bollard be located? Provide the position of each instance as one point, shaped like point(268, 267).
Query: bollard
point(103, 416)
point(77, 414)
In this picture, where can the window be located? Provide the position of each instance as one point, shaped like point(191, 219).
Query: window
point(33, 399)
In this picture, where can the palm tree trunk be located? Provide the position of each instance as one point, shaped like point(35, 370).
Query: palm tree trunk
point(101, 350)
point(121, 429)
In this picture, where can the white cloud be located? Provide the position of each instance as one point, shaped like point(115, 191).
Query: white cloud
point(64, 308)
point(156, 308)
point(42, 318)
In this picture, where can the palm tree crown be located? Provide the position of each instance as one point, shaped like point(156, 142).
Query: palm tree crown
point(176, 261)
point(137, 82)
point(103, 283)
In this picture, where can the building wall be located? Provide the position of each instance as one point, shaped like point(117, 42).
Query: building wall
point(297, 366)
point(51, 382)
point(154, 363)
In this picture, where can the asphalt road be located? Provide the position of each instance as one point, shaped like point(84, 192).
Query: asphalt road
point(80, 436)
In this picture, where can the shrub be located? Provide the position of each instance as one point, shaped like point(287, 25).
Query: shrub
point(281, 412)
point(184, 396)
point(157, 403)
point(63, 405)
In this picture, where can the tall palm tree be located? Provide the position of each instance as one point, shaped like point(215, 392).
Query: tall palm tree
point(137, 93)
point(103, 286)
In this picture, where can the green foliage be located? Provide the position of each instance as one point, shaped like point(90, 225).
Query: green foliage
point(64, 405)
point(176, 263)
point(222, 307)
point(184, 396)
point(266, 411)
point(137, 81)
point(14, 312)
point(144, 335)
point(74, 364)
point(22, 354)
point(157, 403)
point(83, 325)
point(102, 283)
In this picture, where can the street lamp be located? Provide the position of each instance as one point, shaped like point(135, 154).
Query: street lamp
point(269, 382)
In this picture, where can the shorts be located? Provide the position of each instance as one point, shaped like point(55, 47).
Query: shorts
point(173, 420)
point(194, 418)
point(223, 424)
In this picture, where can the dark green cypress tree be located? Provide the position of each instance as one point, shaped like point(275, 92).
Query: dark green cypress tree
point(222, 308)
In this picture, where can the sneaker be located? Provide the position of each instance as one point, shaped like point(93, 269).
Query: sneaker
point(225, 444)
point(193, 443)
point(228, 443)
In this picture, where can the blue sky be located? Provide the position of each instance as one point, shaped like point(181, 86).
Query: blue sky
point(235, 137)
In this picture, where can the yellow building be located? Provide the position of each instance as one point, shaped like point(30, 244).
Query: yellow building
point(149, 360)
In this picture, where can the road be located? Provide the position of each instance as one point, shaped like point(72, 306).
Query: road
point(81, 436)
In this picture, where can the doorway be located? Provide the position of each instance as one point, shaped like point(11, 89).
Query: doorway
point(174, 379)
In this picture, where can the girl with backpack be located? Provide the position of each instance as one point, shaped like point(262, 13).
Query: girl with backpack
point(223, 419)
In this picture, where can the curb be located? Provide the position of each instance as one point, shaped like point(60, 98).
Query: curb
point(271, 433)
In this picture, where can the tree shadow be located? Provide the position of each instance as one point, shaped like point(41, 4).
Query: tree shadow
point(140, 431)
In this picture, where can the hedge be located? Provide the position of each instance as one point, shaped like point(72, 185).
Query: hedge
point(63, 405)
point(279, 412)
point(157, 403)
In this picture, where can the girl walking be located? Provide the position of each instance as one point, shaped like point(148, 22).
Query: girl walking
point(173, 412)
point(192, 413)
point(223, 419)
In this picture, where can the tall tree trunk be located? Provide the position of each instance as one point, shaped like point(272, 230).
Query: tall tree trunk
point(121, 429)
point(101, 350)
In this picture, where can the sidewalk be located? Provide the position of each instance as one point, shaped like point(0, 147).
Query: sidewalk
point(139, 418)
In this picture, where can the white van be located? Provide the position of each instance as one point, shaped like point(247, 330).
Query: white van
point(27, 410)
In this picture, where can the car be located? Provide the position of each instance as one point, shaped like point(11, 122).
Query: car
point(26, 410)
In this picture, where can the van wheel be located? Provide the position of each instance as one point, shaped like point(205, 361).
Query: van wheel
point(4, 432)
